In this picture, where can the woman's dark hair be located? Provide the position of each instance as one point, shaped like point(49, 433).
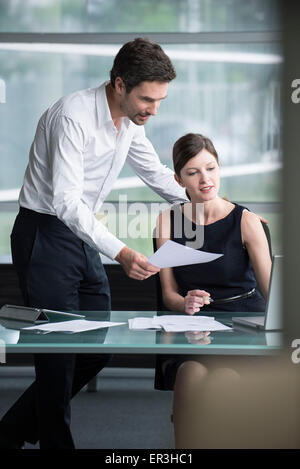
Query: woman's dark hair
point(187, 147)
point(141, 60)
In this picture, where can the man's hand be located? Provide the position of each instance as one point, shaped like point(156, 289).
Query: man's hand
point(136, 265)
point(194, 300)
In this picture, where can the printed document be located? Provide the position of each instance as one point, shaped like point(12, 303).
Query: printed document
point(178, 323)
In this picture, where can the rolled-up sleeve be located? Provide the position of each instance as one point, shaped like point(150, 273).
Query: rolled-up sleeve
point(145, 162)
point(67, 141)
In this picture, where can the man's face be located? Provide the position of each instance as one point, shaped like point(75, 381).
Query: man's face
point(143, 100)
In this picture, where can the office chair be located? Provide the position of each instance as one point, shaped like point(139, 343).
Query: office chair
point(268, 236)
point(159, 300)
point(245, 419)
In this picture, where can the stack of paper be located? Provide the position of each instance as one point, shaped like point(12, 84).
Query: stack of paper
point(140, 324)
point(77, 325)
point(177, 323)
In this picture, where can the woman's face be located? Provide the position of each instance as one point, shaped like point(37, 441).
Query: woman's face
point(201, 177)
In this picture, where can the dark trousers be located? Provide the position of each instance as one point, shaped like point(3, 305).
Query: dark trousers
point(56, 271)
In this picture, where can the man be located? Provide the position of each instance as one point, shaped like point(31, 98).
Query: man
point(81, 144)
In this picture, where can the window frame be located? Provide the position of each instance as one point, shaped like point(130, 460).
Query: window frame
point(217, 37)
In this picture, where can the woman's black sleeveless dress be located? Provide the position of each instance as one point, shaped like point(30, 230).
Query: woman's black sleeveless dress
point(229, 275)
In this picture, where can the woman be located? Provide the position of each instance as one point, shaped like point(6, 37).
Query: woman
point(231, 280)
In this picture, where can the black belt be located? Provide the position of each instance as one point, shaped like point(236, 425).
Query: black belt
point(233, 298)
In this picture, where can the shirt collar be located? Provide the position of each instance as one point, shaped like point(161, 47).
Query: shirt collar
point(103, 111)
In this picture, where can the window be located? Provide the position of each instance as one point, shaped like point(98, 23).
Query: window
point(228, 61)
point(126, 16)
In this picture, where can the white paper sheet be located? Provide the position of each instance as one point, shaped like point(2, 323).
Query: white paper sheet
point(184, 323)
point(178, 323)
point(180, 318)
point(139, 324)
point(172, 254)
point(77, 325)
point(204, 327)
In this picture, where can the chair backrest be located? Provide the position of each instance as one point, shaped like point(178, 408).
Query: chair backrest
point(159, 299)
point(268, 236)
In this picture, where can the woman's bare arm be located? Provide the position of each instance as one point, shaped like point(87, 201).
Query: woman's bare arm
point(256, 243)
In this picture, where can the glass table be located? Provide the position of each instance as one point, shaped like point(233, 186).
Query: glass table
point(122, 340)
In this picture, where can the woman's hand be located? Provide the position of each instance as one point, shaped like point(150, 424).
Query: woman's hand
point(194, 300)
point(196, 337)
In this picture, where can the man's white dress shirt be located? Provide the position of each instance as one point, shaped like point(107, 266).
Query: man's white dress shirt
point(75, 158)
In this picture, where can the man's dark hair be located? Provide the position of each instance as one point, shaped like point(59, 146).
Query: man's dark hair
point(141, 60)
